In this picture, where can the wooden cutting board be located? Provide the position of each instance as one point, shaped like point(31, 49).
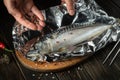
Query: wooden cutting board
point(48, 66)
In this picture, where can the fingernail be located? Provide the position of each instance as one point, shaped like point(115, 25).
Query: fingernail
point(72, 12)
point(34, 28)
point(39, 28)
point(42, 23)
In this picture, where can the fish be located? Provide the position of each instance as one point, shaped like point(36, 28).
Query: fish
point(67, 38)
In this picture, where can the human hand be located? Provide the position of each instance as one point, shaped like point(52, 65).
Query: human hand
point(70, 6)
point(19, 9)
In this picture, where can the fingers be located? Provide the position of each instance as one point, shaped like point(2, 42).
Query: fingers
point(70, 6)
point(22, 20)
point(38, 13)
point(15, 8)
point(18, 15)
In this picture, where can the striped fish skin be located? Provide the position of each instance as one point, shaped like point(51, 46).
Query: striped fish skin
point(66, 39)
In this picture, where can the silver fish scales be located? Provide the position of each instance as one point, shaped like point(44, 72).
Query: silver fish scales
point(67, 39)
point(61, 44)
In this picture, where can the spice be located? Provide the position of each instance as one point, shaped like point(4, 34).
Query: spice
point(4, 59)
point(2, 46)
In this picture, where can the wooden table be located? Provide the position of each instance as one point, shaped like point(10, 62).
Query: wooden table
point(90, 69)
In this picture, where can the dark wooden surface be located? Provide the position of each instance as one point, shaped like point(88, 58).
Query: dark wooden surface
point(90, 69)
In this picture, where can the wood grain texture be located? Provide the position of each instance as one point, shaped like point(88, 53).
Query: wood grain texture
point(49, 66)
point(90, 69)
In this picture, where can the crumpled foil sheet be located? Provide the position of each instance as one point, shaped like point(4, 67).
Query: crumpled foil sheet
point(87, 11)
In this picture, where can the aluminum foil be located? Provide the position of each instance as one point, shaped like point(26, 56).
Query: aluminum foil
point(87, 12)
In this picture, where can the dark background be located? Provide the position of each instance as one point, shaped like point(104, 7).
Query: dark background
point(91, 69)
